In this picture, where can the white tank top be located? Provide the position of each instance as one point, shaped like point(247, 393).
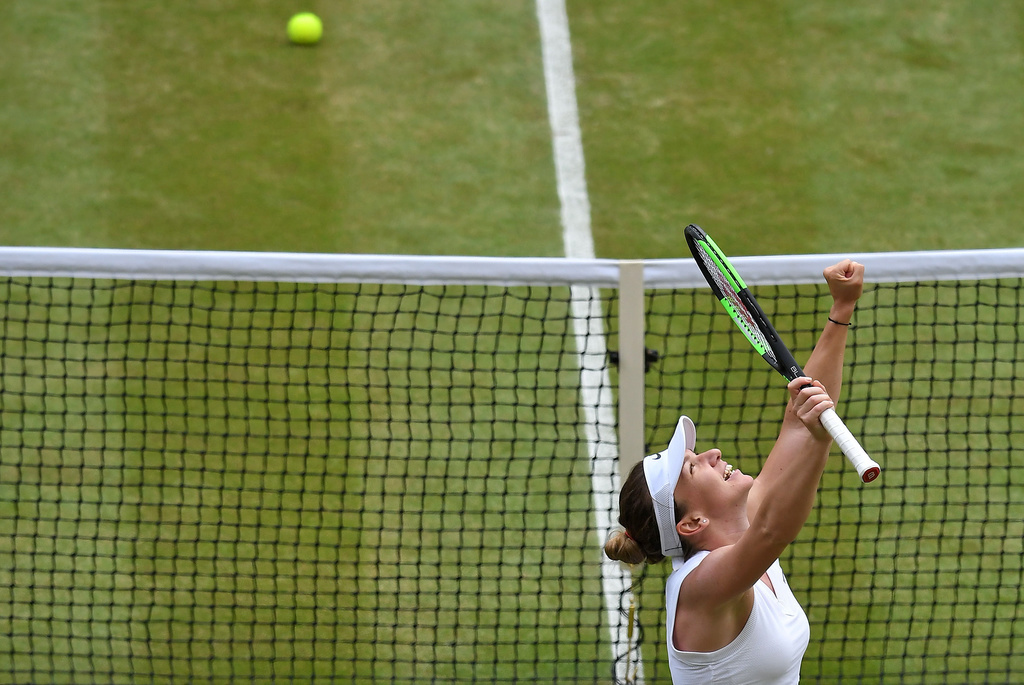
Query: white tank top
point(768, 650)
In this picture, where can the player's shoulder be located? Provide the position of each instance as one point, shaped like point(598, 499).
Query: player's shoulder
point(727, 574)
point(683, 567)
point(700, 576)
point(709, 599)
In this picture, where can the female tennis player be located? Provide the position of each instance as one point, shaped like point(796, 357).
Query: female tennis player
point(731, 617)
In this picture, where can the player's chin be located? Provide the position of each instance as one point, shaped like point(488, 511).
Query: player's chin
point(737, 477)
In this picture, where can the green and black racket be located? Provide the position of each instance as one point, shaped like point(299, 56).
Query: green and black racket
point(734, 295)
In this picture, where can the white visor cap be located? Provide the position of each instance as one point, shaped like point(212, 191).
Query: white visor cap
point(662, 472)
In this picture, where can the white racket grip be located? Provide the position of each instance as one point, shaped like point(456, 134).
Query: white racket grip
point(867, 469)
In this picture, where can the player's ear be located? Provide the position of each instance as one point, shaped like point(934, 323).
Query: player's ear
point(691, 524)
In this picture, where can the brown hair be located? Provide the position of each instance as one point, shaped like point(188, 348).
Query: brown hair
point(640, 541)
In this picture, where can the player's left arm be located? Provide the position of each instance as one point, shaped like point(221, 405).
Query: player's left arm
point(846, 283)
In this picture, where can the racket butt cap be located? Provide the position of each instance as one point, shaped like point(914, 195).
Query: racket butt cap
point(870, 474)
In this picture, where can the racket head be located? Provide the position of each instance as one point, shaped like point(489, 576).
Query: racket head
point(729, 289)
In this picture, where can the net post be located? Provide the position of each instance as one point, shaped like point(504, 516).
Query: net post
point(632, 365)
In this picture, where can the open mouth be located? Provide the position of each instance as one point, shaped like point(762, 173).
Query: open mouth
point(728, 471)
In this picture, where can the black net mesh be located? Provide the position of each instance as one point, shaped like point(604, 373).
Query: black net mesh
point(272, 482)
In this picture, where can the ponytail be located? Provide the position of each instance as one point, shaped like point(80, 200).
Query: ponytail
point(622, 547)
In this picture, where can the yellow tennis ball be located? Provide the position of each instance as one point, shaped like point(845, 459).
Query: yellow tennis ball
point(305, 28)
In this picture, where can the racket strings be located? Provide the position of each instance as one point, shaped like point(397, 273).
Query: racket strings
point(737, 310)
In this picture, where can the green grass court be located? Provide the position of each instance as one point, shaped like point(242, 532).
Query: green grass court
point(421, 128)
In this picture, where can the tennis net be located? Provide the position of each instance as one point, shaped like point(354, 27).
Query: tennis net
point(278, 468)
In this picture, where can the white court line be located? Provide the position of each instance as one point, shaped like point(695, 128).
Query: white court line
point(588, 320)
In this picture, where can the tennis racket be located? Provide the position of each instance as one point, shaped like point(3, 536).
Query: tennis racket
point(747, 314)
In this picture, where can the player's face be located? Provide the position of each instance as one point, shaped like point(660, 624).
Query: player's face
point(708, 481)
